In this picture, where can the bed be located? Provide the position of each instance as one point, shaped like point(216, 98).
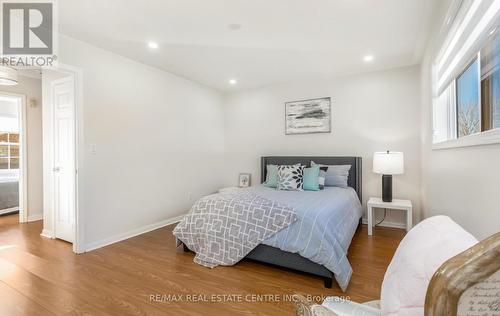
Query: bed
point(317, 243)
point(9, 196)
point(272, 255)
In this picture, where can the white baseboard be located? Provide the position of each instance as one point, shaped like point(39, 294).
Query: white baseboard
point(47, 234)
point(388, 224)
point(9, 210)
point(135, 232)
point(35, 217)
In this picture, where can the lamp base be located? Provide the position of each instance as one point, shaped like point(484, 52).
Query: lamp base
point(387, 188)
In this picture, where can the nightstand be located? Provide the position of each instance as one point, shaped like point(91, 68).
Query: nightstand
point(404, 205)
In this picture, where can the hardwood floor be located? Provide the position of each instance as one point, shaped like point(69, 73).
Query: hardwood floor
point(40, 276)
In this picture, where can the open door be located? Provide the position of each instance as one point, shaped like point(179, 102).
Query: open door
point(63, 97)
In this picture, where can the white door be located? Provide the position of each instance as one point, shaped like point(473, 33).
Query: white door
point(64, 158)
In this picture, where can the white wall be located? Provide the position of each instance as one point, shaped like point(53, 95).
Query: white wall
point(32, 88)
point(370, 112)
point(158, 137)
point(462, 183)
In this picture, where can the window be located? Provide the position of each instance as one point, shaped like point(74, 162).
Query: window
point(466, 107)
point(468, 110)
point(9, 151)
point(490, 83)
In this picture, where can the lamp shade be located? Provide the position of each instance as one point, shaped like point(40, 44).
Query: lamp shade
point(388, 162)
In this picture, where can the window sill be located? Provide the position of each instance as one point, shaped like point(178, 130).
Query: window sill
point(484, 138)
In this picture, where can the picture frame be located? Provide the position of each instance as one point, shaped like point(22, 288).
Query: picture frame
point(309, 116)
point(244, 180)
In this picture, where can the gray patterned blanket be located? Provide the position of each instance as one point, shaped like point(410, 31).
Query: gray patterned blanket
point(223, 228)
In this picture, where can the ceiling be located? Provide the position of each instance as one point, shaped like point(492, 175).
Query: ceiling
point(278, 41)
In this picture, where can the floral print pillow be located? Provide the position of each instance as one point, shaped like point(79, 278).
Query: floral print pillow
point(291, 177)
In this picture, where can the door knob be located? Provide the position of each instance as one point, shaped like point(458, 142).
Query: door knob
point(56, 169)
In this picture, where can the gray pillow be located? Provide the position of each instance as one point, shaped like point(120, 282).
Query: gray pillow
point(336, 175)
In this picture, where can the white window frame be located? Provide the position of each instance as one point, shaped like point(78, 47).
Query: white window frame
point(455, 56)
point(450, 112)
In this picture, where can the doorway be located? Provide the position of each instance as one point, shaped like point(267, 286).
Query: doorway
point(13, 159)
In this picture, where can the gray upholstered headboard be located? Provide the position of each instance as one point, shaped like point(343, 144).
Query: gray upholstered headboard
point(354, 180)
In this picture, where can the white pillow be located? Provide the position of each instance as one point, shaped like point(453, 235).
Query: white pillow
point(424, 249)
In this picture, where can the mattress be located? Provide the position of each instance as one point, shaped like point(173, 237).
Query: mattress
point(327, 221)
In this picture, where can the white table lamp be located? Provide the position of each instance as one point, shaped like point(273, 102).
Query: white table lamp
point(388, 163)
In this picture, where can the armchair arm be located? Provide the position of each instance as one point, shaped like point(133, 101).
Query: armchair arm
point(333, 306)
point(307, 308)
point(460, 274)
point(342, 307)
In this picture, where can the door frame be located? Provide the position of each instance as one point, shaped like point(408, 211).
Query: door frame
point(23, 166)
point(77, 74)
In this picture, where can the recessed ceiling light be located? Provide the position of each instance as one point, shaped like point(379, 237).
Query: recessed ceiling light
point(153, 45)
point(368, 58)
point(233, 82)
point(234, 26)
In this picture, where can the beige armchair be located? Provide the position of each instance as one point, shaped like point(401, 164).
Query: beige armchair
point(466, 284)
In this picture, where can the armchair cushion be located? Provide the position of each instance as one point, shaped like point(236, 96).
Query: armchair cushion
point(424, 249)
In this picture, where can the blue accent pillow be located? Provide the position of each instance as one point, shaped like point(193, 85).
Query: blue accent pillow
point(311, 178)
point(271, 176)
